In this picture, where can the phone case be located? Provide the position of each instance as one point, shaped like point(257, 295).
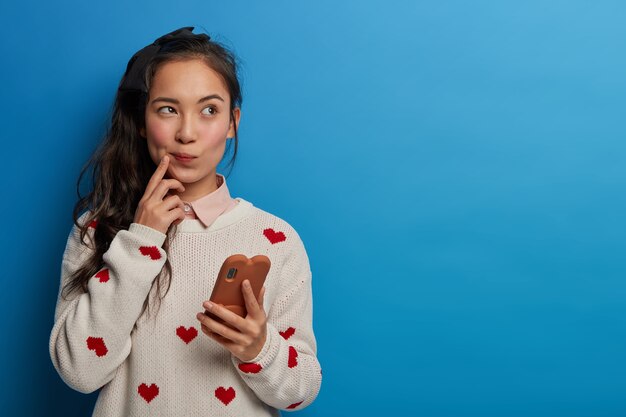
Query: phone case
point(234, 270)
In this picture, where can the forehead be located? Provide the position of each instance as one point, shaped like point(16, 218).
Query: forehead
point(190, 78)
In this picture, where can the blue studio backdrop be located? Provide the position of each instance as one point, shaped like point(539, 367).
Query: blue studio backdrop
point(455, 169)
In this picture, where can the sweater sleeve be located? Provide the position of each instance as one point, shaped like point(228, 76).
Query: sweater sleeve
point(91, 335)
point(286, 373)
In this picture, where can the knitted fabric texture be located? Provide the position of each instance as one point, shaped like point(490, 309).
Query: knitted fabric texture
point(163, 365)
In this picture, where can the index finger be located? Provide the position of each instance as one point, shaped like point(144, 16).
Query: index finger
point(229, 318)
point(158, 175)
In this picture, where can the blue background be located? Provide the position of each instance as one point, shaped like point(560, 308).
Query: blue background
point(456, 170)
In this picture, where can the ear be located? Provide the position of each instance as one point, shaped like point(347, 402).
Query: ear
point(234, 122)
point(142, 132)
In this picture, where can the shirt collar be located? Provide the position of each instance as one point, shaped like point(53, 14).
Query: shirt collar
point(211, 206)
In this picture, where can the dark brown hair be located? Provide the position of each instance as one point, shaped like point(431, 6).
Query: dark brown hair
point(121, 166)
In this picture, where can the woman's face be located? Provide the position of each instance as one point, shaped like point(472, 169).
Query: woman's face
point(188, 112)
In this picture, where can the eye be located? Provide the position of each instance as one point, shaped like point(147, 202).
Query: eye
point(166, 110)
point(209, 110)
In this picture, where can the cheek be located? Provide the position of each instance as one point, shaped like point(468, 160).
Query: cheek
point(158, 133)
point(215, 134)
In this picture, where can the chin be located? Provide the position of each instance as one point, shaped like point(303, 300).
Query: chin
point(185, 179)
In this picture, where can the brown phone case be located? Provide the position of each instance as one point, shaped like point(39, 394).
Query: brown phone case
point(234, 270)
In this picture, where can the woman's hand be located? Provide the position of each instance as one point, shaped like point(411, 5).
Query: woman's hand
point(154, 211)
point(243, 337)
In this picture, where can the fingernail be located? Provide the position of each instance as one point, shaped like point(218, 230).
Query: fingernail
point(208, 305)
point(164, 159)
point(246, 283)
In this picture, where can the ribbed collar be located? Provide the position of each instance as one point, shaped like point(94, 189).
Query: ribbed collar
point(211, 206)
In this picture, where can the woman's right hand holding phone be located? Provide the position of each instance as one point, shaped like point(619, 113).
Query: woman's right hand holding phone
point(156, 211)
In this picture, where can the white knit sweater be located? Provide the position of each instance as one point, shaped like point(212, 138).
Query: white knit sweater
point(165, 365)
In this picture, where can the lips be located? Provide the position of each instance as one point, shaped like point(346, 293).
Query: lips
point(183, 156)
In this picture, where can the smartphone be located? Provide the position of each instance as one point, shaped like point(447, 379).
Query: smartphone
point(235, 269)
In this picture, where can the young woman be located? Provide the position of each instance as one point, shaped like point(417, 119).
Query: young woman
point(133, 316)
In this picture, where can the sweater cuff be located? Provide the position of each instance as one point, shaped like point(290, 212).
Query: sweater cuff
point(148, 233)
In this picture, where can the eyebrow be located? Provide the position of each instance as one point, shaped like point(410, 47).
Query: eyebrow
point(173, 100)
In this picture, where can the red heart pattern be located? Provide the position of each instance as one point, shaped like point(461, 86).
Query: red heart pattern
point(148, 393)
point(187, 335)
point(103, 275)
point(294, 405)
point(274, 237)
point(151, 251)
point(288, 333)
point(293, 357)
point(97, 345)
point(225, 395)
point(250, 368)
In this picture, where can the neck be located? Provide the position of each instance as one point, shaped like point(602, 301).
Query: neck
point(195, 190)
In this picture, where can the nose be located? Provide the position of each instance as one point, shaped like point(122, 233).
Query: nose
point(186, 130)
